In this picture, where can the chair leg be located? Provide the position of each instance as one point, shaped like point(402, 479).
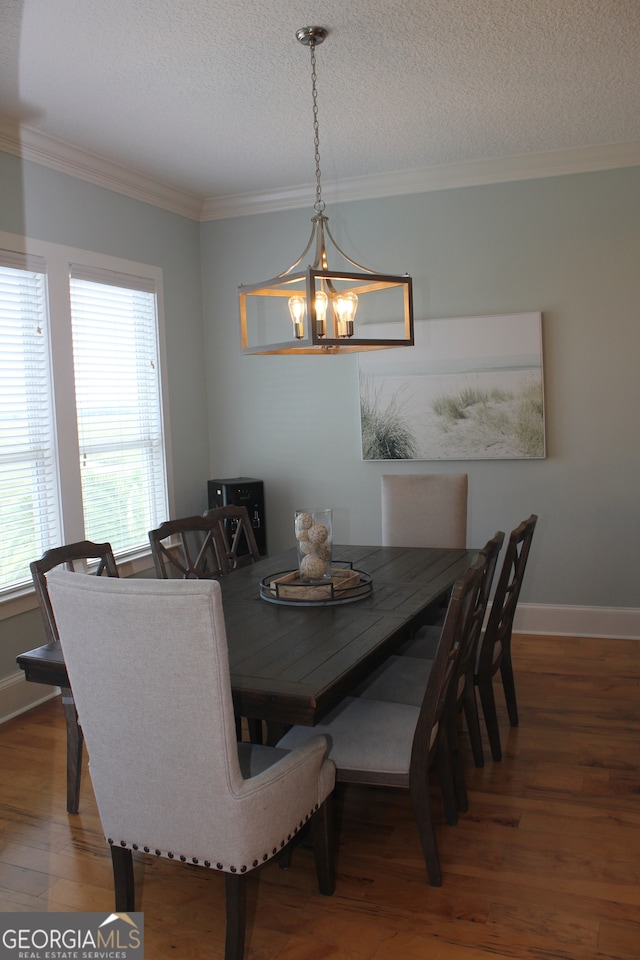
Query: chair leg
point(488, 701)
point(422, 812)
point(255, 730)
point(122, 862)
point(285, 857)
point(446, 777)
point(323, 847)
point(457, 766)
point(236, 893)
point(473, 724)
point(509, 687)
point(75, 741)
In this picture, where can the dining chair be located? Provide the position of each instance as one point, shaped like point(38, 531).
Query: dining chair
point(190, 548)
point(494, 648)
point(237, 533)
point(403, 679)
point(169, 777)
point(424, 510)
point(385, 744)
point(197, 548)
point(75, 557)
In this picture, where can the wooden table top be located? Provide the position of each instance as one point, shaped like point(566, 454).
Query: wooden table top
point(291, 663)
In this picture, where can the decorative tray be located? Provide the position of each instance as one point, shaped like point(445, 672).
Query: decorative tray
point(345, 586)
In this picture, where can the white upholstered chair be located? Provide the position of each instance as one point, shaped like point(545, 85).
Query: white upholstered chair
point(148, 664)
point(424, 510)
point(395, 744)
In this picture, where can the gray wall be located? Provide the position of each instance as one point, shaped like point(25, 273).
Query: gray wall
point(567, 246)
point(46, 205)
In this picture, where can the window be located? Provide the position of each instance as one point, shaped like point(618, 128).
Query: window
point(82, 448)
point(117, 385)
point(29, 515)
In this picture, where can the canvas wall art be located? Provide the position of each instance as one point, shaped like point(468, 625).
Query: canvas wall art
point(470, 389)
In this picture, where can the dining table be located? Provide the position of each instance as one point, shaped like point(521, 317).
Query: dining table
point(292, 661)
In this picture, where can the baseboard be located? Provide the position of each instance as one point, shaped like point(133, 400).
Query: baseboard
point(17, 695)
point(618, 623)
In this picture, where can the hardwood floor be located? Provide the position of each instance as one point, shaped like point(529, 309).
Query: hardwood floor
point(546, 863)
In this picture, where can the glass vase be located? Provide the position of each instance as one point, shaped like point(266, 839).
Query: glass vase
point(314, 537)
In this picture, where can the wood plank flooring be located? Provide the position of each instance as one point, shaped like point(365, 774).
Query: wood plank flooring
point(546, 863)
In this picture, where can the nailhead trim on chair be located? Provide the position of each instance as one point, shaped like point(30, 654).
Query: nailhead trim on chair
point(220, 866)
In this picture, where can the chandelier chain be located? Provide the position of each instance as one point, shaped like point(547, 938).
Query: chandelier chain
point(319, 204)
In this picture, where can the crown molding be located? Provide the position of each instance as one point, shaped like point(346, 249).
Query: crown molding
point(29, 144)
point(529, 166)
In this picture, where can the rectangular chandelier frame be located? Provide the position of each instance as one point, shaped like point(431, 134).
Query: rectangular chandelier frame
point(307, 284)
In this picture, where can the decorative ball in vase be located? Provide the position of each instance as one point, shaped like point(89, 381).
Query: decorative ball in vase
point(314, 536)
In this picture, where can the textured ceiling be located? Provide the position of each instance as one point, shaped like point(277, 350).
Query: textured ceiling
point(214, 96)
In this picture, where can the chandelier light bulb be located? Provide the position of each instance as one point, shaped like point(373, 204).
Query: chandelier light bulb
point(344, 307)
point(322, 302)
point(297, 309)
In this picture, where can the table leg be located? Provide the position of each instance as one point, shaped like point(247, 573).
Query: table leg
point(275, 731)
point(75, 740)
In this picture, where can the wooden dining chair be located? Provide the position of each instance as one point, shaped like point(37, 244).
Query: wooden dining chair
point(403, 679)
point(190, 548)
point(240, 550)
point(424, 510)
point(84, 556)
point(198, 548)
point(237, 533)
point(380, 743)
point(494, 648)
point(170, 780)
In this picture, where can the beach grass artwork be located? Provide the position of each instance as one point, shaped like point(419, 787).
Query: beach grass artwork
point(471, 388)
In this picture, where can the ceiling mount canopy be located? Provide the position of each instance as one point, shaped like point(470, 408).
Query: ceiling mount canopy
point(322, 302)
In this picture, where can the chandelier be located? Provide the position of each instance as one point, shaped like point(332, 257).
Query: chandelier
point(323, 302)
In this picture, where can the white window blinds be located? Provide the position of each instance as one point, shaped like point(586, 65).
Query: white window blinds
point(119, 407)
point(82, 432)
point(29, 502)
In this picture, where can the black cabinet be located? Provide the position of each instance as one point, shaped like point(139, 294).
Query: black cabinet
point(242, 492)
